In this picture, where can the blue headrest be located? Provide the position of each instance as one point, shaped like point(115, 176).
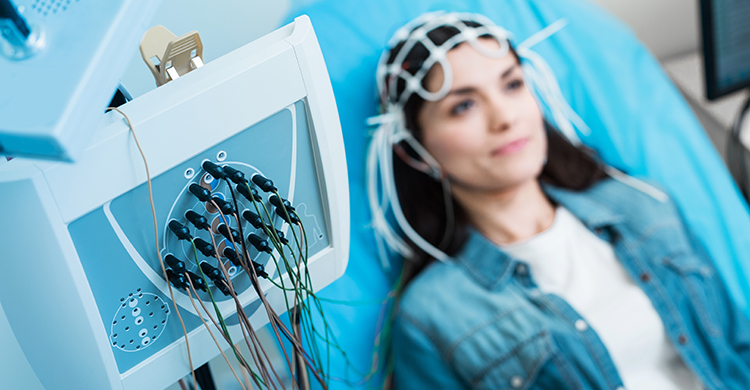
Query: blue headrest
point(639, 123)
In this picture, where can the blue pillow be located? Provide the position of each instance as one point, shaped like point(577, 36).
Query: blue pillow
point(639, 123)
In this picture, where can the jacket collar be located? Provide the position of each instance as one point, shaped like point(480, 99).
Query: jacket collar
point(492, 267)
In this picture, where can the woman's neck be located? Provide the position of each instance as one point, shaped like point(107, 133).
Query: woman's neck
point(510, 215)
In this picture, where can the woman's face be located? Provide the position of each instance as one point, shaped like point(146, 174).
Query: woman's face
point(487, 134)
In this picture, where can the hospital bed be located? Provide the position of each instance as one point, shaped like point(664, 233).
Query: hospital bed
point(640, 124)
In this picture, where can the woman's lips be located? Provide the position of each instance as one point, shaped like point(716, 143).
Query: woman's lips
point(510, 147)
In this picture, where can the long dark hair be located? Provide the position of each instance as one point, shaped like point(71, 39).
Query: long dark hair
point(421, 196)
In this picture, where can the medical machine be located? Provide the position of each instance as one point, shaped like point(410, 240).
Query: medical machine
point(243, 153)
point(60, 61)
point(726, 46)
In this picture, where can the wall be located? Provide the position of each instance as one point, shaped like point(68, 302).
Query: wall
point(667, 27)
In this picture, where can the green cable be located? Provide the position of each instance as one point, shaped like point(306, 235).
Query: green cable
point(277, 244)
point(317, 304)
point(223, 324)
point(305, 290)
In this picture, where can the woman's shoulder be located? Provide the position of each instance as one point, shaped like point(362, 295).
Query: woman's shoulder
point(638, 203)
point(433, 290)
point(444, 301)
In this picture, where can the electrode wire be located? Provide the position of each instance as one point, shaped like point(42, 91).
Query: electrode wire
point(246, 324)
point(213, 301)
point(316, 303)
point(256, 284)
point(223, 327)
point(241, 360)
point(382, 333)
point(249, 332)
point(244, 265)
point(278, 324)
point(156, 236)
point(304, 308)
point(192, 301)
point(278, 245)
point(275, 320)
point(307, 289)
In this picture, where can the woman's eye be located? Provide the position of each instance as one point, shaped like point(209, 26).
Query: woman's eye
point(461, 107)
point(514, 84)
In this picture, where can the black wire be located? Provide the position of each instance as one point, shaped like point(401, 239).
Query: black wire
point(239, 222)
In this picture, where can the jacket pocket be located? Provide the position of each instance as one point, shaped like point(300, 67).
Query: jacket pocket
point(506, 353)
point(698, 280)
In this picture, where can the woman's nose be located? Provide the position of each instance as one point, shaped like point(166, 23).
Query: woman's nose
point(500, 116)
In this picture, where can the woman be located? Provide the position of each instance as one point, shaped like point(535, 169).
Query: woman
point(531, 264)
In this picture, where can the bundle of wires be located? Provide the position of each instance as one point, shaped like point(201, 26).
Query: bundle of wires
point(302, 304)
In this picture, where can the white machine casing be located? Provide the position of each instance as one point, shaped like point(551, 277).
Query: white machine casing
point(50, 102)
point(44, 287)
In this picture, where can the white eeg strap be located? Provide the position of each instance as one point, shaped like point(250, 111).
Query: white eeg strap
point(391, 124)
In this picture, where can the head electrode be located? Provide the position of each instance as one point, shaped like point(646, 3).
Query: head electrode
point(398, 80)
point(393, 67)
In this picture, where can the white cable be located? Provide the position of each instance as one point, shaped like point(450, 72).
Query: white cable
point(391, 124)
point(542, 34)
point(637, 184)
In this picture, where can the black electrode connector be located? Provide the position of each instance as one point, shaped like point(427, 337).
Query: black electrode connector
point(279, 233)
point(287, 216)
point(229, 233)
point(176, 264)
point(249, 193)
point(263, 183)
point(214, 170)
point(235, 175)
point(198, 282)
point(211, 272)
point(224, 206)
point(230, 254)
point(275, 202)
point(197, 220)
point(204, 247)
point(259, 243)
point(177, 280)
point(201, 193)
point(215, 275)
point(260, 269)
point(179, 230)
point(286, 212)
point(253, 218)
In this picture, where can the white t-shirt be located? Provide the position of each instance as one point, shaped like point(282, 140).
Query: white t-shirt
point(570, 261)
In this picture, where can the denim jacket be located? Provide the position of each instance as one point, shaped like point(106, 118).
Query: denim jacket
point(480, 321)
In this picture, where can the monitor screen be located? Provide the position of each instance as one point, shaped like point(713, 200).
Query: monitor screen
point(726, 45)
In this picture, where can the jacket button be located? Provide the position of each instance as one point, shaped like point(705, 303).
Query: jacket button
point(682, 339)
point(581, 325)
point(521, 269)
point(645, 277)
point(516, 382)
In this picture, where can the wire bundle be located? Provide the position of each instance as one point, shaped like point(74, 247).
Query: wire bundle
point(300, 299)
point(301, 302)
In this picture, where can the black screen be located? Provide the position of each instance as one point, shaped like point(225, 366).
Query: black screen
point(726, 45)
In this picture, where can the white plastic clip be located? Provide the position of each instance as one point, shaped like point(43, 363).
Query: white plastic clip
point(169, 57)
